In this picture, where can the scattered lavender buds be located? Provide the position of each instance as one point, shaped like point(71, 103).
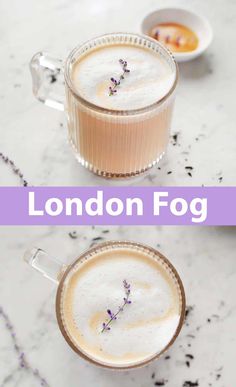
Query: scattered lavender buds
point(113, 316)
point(73, 235)
point(157, 34)
point(23, 364)
point(14, 168)
point(115, 83)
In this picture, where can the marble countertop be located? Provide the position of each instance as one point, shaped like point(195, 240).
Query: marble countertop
point(35, 136)
point(205, 259)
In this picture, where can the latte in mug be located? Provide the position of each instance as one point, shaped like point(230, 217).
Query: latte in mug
point(120, 90)
point(120, 305)
point(120, 101)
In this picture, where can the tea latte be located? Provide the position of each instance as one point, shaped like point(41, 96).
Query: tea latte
point(94, 290)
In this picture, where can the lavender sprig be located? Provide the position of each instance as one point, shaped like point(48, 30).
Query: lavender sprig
point(23, 364)
point(115, 83)
point(14, 168)
point(113, 316)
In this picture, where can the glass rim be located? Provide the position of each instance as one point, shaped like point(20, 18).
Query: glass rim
point(124, 112)
point(92, 251)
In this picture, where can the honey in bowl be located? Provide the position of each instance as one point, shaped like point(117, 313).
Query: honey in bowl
point(177, 37)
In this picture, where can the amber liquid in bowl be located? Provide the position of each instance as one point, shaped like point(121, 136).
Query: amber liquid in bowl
point(176, 37)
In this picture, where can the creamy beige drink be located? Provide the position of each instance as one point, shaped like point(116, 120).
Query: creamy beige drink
point(120, 130)
point(121, 306)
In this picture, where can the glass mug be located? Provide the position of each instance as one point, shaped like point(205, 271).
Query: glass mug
point(110, 143)
point(61, 274)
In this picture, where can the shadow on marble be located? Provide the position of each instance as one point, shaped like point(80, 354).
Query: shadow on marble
point(196, 69)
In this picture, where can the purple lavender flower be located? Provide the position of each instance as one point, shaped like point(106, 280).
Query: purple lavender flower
point(113, 316)
point(126, 285)
point(105, 327)
point(115, 83)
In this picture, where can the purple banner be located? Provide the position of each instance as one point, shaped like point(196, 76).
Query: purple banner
point(117, 206)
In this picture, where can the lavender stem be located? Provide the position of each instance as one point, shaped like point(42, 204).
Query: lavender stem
point(120, 309)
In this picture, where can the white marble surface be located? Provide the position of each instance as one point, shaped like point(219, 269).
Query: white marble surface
point(204, 117)
point(204, 257)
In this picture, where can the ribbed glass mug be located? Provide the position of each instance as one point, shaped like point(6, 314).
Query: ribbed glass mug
point(110, 143)
point(61, 274)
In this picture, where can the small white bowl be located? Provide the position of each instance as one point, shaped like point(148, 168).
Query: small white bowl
point(195, 22)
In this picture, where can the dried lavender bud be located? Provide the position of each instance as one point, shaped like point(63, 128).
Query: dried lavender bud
point(73, 235)
point(188, 383)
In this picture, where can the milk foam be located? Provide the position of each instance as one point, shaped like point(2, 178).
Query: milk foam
point(149, 80)
point(145, 326)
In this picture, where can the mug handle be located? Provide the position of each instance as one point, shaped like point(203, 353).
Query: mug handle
point(48, 80)
point(50, 267)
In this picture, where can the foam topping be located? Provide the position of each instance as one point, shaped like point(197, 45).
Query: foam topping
point(149, 80)
point(144, 327)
